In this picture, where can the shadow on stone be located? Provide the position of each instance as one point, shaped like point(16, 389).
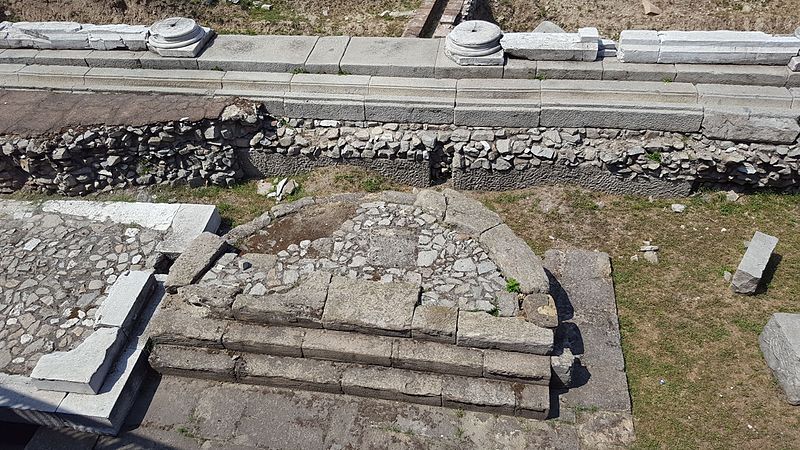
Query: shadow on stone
point(563, 304)
point(769, 273)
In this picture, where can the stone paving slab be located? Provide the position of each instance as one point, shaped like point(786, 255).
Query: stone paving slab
point(257, 53)
point(348, 347)
point(195, 362)
point(435, 323)
point(327, 54)
point(478, 394)
point(393, 384)
point(370, 307)
point(195, 260)
point(780, 345)
point(515, 259)
point(468, 213)
point(277, 341)
point(402, 57)
point(301, 305)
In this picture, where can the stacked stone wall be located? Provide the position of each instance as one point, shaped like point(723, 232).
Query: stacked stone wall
point(245, 142)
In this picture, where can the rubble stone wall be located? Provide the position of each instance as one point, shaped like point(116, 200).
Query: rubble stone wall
point(245, 142)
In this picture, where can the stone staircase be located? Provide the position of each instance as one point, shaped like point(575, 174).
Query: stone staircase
point(356, 337)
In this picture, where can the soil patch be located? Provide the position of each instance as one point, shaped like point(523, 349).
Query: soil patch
point(311, 223)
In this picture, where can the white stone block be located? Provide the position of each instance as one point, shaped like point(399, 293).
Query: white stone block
point(550, 46)
point(589, 34)
point(639, 37)
point(21, 401)
point(794, 64)
point(82, 369)
point(189, 222)
point(125, 299)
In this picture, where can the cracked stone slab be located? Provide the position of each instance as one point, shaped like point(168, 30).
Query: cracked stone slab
point(469, 214)
point(780, 344)
point(301, 305)
point(515, 259)
point(481, 330)
point(195, 261)
point(432, 201)
point(751, 269)
point(370, 307)
point(83, 369)
point(216, 299)
point(126, 298)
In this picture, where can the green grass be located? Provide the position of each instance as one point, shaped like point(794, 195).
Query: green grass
point(512, 285)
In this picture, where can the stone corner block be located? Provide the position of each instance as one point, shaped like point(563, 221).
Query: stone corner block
point(370, 306)
point(83, 369)
point(780, 344)
point(189, 222)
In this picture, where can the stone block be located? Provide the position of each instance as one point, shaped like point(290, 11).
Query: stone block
point(516, 68)
point(751, 125)
point(155, 61)
point(192, 81)
point(21, 401)
point(187, 224)
point(756, 259)
point(515, 259)
point(447, 68)
point(533, 401)
point(410, 100)
point(744, 96)
point(119, 59)
point(293, 373)
point(196, 259)
point(780, 344)
point(391, 57)
point(269, 340)
point(569, 70)
point(105, 412)
point(18, 56)
point(581, 46)
point(541, 310)
point(370, 306)
point(613, 69)
point(393, 384)
point(482, 330)
point(62, 57)
point(256, 84)
point(193, 362)
point(8, 74)
point(731, 74)
point(434, 202)
point(507, 103)
point(214, 299)
point(477, 394)
point(126, 298)
point(436, 357)
point(513, 366)
point(171, 326)
point(82, 369)
point(316, 106)
point(301, 305)
point(348, 347)
point(435, 323)
point(638, 46)
point(52, 77)
point(468, 213)
point(257, 53)
point(327, 54)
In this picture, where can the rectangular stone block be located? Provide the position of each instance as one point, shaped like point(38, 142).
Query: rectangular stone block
point(21, 401)
point(533, 402)
point(316, 106)
point(370, 306)
point(185, 80)
point(18, 56)
point(515, 259)
point(569, 70)
point(193, 362)
point(745, 96)
point(772, 126)
point(323, 85)
point(780, 345)
point(127, 296)
point(477, 394)
point(435, 323)
point(255, 83)
point(152, 60)
point(552, 46)
point(119, 59)
point(436, 357)
point(189, 222)
point(52, 77)
point(198, 257)
point(482, 330)
point(302, 305)
point(62, 57)
point(82, 369)
point(517, 68)
point(8, 74)
point(348, 347)
point(269, 340)
point(731, 74)
point(447, 68)
point(172, 326)
point(257, 53)
point(514, 366)
point(751, 269)
point(638, 46)
point(393, 384)
point(293, 373)
point(410, 100)
point(105, 412)
point(497, 102)
point(327, 54)
point(391, 57)
point(613, 69)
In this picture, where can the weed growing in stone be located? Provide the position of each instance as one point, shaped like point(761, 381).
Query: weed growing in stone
point(512, 286)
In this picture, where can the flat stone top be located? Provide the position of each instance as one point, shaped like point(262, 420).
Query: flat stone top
point(370, 305)
point(475, 33)
point(285, 49)
point(790, 326)
point(417, 54)
point(758, 253)
point(30, 113)
point(173, 27)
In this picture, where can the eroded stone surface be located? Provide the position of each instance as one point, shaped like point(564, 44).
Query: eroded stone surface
point(780, 344)
point(370, 307)
point(481, 330)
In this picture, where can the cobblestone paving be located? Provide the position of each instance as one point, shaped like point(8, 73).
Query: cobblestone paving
point(388, 243)
point(55, 270)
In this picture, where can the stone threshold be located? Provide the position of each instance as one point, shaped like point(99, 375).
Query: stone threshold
point(450, 391)
point(397, 57)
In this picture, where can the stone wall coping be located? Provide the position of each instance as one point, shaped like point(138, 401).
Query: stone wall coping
point(401, 57)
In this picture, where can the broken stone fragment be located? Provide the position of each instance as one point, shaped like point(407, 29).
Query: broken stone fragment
point(780, 344)
point(541, 310)
point(650, 9)
point(751, 269)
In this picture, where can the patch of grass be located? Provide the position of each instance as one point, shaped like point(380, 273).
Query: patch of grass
point(512, 286)
point(654, 156)
point(495, 311)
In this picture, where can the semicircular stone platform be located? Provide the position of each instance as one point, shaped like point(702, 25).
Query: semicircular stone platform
point(425, 298)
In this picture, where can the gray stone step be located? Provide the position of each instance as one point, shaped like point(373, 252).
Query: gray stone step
point(353, 347)
point(451, 391)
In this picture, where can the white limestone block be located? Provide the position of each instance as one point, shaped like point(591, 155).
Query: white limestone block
point(127, 296)
point(550, 46)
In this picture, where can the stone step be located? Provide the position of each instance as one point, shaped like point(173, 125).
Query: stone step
point(352, 347)
point(451, 391)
